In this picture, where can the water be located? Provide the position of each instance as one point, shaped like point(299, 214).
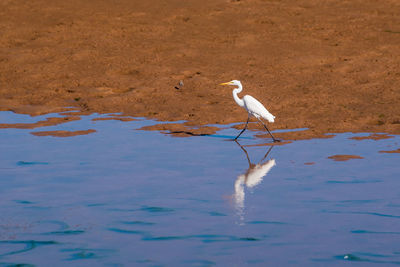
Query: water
point(122, 196)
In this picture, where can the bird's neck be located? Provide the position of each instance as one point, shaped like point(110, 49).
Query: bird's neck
point(235, 93)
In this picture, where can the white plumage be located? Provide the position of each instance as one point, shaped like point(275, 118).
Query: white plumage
point(252, 106)
point(255, 108)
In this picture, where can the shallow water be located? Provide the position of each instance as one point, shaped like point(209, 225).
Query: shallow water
point(122, 196)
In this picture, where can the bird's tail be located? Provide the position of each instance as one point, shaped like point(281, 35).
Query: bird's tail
point(269, 117)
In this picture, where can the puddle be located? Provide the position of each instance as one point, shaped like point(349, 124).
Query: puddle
point(116, 195)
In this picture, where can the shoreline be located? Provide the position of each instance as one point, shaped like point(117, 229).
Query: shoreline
point(172, 128)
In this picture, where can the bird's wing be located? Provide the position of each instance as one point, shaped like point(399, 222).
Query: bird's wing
point(256, 108)
point(256, 175)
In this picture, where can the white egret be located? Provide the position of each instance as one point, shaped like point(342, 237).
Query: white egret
point(252, 106)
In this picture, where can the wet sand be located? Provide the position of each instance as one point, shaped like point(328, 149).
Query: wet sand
point(390, 151)
point(344, 157)
point(330, 66)
point(63, 133)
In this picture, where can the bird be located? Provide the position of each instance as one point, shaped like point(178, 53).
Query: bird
point(253, 107)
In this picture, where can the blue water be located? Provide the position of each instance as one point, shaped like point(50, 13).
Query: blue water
point(123, 196)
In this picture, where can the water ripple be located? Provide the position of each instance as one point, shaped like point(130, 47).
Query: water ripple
point(28, 163)
point(362, 212)
point(200, 263)
point(29, 245)
point(24, 202)
point(84, 253)
point(63, 228)
point(125, 231)
point(156, 209)
point(373, 232)
point(215, 213)
point(137, 223)
point(366, 257)
point(355, 181)
point(265, 222)
point(67, 232)
point(203, 238)
point(146, 236)
point(376, 214)
point(8, 264)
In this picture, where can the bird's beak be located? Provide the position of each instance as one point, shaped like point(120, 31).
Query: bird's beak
point(228, 83)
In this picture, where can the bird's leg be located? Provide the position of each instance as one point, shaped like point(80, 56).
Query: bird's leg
point(244, 128)
point(244, 150)
point(266, 128)
point(266, 155)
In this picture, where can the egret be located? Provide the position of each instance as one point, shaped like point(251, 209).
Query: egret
point(252, 106)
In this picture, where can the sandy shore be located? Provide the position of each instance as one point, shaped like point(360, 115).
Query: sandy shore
point(330, 66)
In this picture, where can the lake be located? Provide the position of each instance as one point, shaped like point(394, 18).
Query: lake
point(116, 195)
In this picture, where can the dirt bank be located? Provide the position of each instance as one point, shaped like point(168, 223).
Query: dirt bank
point(331, 66)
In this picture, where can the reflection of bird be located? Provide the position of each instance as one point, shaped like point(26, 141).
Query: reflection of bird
point(251, 178)
point(253, 107)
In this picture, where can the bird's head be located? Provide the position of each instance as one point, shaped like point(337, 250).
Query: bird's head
point(233, 82)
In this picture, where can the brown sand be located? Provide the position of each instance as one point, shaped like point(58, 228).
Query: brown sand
point(390, 151)
point(114, 118)
point(375, 137)
point(344, 157)
point(47, 122)
point(330, 66)
point(63, 133)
